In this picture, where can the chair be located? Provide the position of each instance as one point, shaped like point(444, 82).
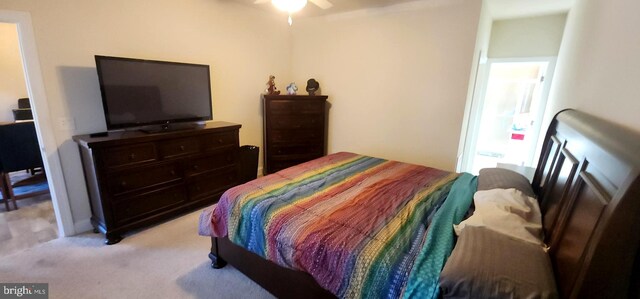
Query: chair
point(19, 150)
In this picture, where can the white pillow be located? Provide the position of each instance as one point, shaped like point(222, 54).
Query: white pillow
point(506, 211)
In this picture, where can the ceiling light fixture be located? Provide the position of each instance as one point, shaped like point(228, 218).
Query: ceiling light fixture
point(289, 6)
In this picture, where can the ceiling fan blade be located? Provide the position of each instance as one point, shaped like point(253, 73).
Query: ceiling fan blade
point(260, 1)
point(324, 4)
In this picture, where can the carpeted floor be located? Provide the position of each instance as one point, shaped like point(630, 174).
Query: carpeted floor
point(164, 261)
point(33, 223)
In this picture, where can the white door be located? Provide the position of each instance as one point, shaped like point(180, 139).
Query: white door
point(506, 123)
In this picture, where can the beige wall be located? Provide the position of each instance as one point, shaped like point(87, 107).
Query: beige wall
point(598, 67)
point(242, 45)
point(12, 84)
point(397, 79)
point(527, 37)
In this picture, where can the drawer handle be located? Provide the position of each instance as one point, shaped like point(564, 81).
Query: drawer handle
point(197, 188)
point(220, 140)
point(132, 156)
point(172, 172)
point(279, 151)
point(182, 148)
point(195, 167)
point(123, 183)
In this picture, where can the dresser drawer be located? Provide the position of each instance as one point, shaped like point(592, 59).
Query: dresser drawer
point(296, 107)
point(295, 136)
point(135, 179)
point(129, 155)
point(219, 140)
point(151, 203)
point(179, 147)
point(212, 182)
point(296, 122)
point(298, 149)
point(213, 161)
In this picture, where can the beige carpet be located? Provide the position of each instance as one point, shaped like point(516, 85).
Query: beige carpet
point(33, 223)
point(165, 261)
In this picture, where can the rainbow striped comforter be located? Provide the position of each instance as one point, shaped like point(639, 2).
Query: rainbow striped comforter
point(361, 226)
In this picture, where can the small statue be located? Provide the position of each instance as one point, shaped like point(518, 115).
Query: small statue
point(312, 86)
point(271, 86)
point(292, 88)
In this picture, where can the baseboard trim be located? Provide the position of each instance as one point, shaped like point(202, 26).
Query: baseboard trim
point(83, 226)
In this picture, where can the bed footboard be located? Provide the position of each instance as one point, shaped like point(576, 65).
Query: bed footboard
point(279, 281)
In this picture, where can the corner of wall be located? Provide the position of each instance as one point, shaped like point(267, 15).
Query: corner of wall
point(480, 55)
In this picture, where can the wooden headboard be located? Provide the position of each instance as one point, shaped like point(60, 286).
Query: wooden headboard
point(588, 184)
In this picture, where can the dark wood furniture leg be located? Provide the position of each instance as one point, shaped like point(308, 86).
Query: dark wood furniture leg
point(216, 261)
point(112, 239)
point(9, 190)
point(5, 193)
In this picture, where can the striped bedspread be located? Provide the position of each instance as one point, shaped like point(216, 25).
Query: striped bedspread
point(363, 227)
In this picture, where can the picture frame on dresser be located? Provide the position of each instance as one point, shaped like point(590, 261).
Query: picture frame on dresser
point(295, 130)
point(136, 179)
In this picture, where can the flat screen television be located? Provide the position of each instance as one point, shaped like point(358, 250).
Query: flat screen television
point(153, 94)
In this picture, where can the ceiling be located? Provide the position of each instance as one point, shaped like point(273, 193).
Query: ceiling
point(505, 9)
point(339, 6)
point(499, 9)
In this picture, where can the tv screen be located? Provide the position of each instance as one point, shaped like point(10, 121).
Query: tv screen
point(137, 92)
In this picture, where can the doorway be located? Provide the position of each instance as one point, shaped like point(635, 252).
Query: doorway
point(507, 121)
point(26, 215)
point(43, 123)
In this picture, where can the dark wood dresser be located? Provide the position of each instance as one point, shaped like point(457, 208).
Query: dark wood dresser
point(295, 130)
point(135, 179)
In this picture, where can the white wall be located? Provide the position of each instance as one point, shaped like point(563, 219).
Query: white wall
point(598, 67)
point(397, 78)
point(242, 45)
point(12, 84)
point(473, 91)
point(538, 36)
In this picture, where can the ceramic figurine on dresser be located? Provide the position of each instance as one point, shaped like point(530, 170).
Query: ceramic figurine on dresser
point(271, 86)
point(292, 88)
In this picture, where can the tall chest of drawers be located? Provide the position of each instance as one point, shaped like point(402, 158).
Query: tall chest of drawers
point(136, 179)
point(295, 130)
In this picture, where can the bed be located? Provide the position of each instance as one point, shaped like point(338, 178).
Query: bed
point(587, 185)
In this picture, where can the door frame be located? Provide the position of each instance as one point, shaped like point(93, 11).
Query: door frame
point(41, 116)
point(473, 120)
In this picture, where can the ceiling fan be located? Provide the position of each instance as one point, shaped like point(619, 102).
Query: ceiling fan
point(292, 6)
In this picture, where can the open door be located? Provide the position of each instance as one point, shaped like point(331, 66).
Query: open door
point(506, 124)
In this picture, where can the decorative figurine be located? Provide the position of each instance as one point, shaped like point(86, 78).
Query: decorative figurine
point(271, 86)
point(312, 86)
point(292, 88)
